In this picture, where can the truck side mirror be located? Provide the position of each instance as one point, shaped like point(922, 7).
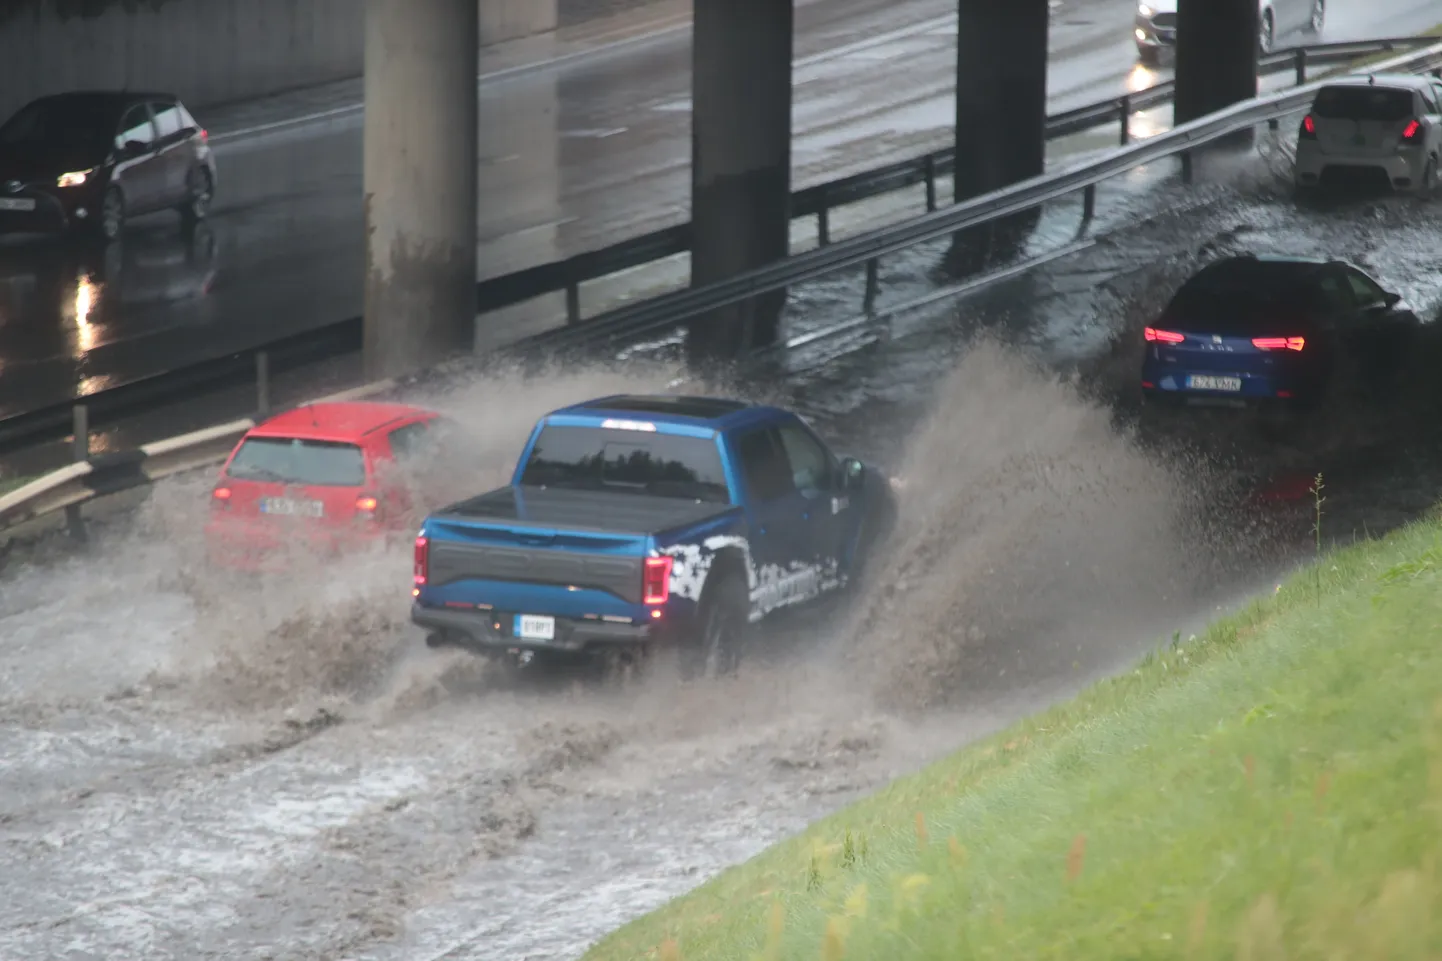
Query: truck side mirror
point(851, 473)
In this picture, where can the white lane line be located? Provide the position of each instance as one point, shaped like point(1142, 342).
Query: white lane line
point(351, 109)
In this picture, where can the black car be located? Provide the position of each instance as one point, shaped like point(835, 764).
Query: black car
point(90, 160)
point(1274, 330)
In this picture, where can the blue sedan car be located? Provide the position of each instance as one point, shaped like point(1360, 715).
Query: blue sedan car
point(1250, 329)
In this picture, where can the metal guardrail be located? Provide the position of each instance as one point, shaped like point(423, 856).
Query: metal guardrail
point(92, 477)
point(670, 311)
point(53, 422)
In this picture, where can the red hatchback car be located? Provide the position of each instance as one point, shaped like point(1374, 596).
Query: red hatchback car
point(322, 478)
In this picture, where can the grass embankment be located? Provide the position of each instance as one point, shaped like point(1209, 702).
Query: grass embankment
point(1270, 789)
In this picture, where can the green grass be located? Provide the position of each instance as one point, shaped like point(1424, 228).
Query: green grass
point(1270, 789)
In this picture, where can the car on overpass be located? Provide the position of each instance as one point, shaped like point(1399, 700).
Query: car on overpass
point(1155, 27)
point(319, 480)
point(1251, 330)
point(88, 161)
point(1380, 128)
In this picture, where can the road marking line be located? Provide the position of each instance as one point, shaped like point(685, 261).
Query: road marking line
point(493, 76)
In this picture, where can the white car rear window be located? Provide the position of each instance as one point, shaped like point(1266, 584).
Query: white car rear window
point(1386, 104)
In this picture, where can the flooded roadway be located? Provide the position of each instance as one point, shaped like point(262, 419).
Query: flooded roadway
point(577, 155)
point(193, 768)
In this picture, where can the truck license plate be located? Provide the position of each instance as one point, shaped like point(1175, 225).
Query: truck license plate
point(535, 627)
point(1207, 382)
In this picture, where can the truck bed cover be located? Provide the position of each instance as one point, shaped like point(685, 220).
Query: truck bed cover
point(583, 511)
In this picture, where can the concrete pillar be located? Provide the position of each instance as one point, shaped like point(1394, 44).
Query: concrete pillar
point(740, 161)
point(1216, 56)
point(1001, 65)
point(420, 161)
point(521, 217)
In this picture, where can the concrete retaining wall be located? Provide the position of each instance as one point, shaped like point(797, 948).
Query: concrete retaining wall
point(211, 51)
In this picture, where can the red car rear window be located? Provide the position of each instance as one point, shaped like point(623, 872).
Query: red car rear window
point(295, 460)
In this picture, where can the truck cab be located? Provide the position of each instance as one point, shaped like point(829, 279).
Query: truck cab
point(632, 521)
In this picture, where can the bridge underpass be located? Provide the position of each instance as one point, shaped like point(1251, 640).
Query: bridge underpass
point(421, 156)
point(578, 155)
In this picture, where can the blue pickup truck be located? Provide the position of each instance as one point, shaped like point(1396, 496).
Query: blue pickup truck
point(633, 521)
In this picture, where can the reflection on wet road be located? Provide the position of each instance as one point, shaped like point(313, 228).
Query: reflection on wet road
point(575, 156)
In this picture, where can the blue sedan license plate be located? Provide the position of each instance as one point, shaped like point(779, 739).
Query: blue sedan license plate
point(1211, 382)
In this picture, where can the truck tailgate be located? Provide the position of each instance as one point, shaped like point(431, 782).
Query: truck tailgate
point(582, 542)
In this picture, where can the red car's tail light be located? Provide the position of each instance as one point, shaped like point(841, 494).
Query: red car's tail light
point(220, 497)
point(1279, 343)
point(423, 561)
point(1163, 336)
point(656, 580)
point(367, 504)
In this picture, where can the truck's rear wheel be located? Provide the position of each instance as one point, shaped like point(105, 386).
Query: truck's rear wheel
point(714, 649)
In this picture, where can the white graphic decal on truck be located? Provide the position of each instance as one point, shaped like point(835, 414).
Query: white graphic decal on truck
point(692, 562)
point(771, 585)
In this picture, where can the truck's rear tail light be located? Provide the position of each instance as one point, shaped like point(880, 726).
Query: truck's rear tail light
point(1308, 130)
point(423, 560)
point(1412, 131)
point(656, 581)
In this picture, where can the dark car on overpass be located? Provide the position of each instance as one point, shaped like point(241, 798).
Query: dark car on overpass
point(88, 161)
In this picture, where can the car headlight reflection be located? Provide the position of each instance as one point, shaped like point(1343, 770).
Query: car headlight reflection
point(74, 179)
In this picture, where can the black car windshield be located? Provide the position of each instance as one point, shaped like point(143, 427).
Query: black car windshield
point(66, 123)
point(1387, 104)
point(627, 461)
point(295, 460)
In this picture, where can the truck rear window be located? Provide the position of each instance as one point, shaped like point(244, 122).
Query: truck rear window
point(629, 461)
point(295, 460)
point(1363, 103)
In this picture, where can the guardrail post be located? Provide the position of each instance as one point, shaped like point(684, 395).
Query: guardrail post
point(262, 385)
point(1301, 60)
point(1089, 203)
point(80, 451)
point(1186, 157)
point(573, 302)
point(929, 167)
point(1125, 109)
point(869, 303)
point(823, 224)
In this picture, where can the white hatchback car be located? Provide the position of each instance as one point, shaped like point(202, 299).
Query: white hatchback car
point(1383, 127)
